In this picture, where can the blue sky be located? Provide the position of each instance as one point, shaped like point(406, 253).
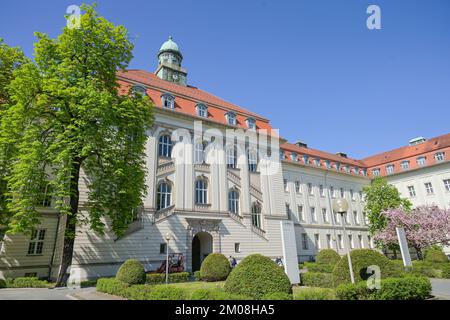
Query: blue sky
point(312, 67)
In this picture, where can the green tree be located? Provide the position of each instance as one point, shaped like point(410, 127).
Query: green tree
point(381, 196)
point(66, 118)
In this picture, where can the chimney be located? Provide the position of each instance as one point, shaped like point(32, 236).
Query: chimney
point(341, 154)
point(301, 144)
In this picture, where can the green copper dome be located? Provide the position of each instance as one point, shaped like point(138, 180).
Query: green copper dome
point(169, 45)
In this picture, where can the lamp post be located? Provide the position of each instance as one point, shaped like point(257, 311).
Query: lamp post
point(167, 257)
point(341, 206)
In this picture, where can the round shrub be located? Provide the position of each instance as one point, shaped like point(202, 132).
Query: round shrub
point(215, 267)
point(435, 255)
point(361, 259)
point(328, 256)
point(277, 296)
point(257, 276)
point(131, 272)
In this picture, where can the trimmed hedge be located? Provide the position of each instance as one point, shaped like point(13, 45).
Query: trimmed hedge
point(131, 272)
point(317, 279)
point(446, 271)
point(2, 284)
point(328, 256)
point(157, 278)
point(315, 294)
point(361, 259)
point(215, 267)
point(435, 255)
point(140, 292)
point(407, 288)
point(197, 276)
point(427, 269)
point(277, 296)
point(215, 294)
point(257, 276)
point(319, 267)
point(27, 282)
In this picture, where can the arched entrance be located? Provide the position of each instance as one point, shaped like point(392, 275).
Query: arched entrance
point(202, 245)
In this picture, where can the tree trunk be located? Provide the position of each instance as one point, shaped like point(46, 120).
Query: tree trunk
point(419, 253)
point(69, 233)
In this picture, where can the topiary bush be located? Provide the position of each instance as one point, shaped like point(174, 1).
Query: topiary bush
point(435, 255)
point(215, 294)
point(131, 272)
point(257, 276)
point(317, 279)
point(319, 267)
point(314, 294)
point(361, 259)
point(277, 296)
point(328, 256)
point(215, 267)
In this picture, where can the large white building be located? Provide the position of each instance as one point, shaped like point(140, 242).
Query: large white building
point(221, 180)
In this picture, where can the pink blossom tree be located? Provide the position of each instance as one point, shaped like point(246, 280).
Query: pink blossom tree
point(424, 226)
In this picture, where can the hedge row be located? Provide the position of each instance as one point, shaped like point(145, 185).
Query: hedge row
point(156, 278)
point(315, 294)
point(25, 282)
point(317, 279)
point(407, 288)
point(319, 267)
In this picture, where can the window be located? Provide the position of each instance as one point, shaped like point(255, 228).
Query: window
point(297, 186)
point(305, 159)
point(375, 172)
point(231, 118)
point(369, 240)
point(165, 146)
point(293, 156)
point(412, 192)
point(347, 168)
point(365, 219)
point(313, 214)
point(342, 192)
point(233, 201)
point(199, 152)
point(282, 155)
point(162, 248)
point(337, 217)
point(361, 196)
point(167, 101)
point(421, 161)
point(324, 215)
point(252, 161)
point(288, 211)
point(300, 213)
point(304, 241)
point(340, 241)
point(163, 196)
point(447, 184)
point(329, 241)
point(352, 195)
point(237, 247)
point(310, 189)
point(350, 241)
point(45, 197)
point(256, 215)
point(321, 191)
point(138, 91)
point(346, 221)
point(429, 188)
point(231, 157)
point(317, 162)
point(328, 164)
point(355, 217)
point(390, 169)
point(285, 184)
point(439, 156)
point(361, 242)
point(317, 241)
point(404, 165)
point(36, 242)
point(251, 123)
point(201, 188)
point(332, 191)
point(202, 110)
point(337, 165)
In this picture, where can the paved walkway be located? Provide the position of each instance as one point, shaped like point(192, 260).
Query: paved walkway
point(441, 288)
point(54, 294)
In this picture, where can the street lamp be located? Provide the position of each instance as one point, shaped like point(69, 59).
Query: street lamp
point(341, 206)
point(167, 257)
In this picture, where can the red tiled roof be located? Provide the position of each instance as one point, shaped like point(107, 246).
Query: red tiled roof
point(187, 97)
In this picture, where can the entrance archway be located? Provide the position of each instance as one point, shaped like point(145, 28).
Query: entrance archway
point(202, 245)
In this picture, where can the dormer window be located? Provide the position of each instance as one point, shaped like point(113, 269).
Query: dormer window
point(337, 166)
point(167, 101)
point(293, 156)
point(202, 110)
point(390, 169)
point(421, 161)
point(317, 162)
point(282, 155)
point(305, 159)
point(231, 118)
point(328, 164)
point(251, 123)
point(138, 90)
point(439, 156)
point(376, 172)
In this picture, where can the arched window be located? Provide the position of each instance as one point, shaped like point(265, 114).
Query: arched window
point(165, 146)
point(202, 110)
point(167, 101)
point(256, 215)
point(201, 191)
point(231, 157)
point(199, 152)
point(138, 90)
point(252, 161)
point(163, 196)
point(233, 201)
